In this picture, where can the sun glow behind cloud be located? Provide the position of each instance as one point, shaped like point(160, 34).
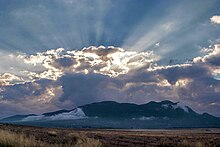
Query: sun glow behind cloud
point(52, 64)
point(110, 61)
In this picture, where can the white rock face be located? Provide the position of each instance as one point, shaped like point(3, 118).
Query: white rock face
point(74, 114)
point(33, 118)
point(176, 106)
point(181, 106)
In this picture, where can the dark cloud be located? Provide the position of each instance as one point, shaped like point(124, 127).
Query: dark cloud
point(20, 91)
point(215, 61)
point(192, 72)
point(81, 88)
point(64, 62)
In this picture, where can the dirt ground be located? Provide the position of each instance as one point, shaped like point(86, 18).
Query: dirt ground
point(94, 137)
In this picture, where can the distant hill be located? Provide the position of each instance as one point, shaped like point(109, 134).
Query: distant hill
point(17, 117)
point(113, 114)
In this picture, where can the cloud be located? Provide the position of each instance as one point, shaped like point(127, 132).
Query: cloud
point(211, 60)
point(66, 79)
point(8, 79)
point(215, 19)
point(214, 56)
point(111, 61)
point(30, 97)
point(157, 44)
point(79, 89)
point(211, 53)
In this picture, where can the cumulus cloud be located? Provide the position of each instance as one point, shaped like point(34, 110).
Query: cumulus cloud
point(211, 60)
point(71, 78)
point(54, 63)
point(30, 97)
point(49, 83)
point(215, 19)
point(8, 79)
point(111, 61)
point(211, 53)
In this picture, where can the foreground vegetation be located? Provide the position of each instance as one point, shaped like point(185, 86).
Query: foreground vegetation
point(12, 139)
point(24, 136)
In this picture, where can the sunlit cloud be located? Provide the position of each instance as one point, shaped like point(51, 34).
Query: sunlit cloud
point(215, 19)
point(111, 61)
point(182, 82)
point(211, 56)
point(8, 79)
point(54, 63)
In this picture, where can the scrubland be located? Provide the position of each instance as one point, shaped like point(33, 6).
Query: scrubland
point(27, 136)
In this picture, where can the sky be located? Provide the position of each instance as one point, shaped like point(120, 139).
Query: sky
point(60, 54)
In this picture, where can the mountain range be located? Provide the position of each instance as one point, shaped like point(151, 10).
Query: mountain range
point(110, 114)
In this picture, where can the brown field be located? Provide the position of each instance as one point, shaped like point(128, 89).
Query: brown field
point(19, 136)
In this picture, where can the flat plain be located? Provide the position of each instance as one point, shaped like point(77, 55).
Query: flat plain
point(17, 135)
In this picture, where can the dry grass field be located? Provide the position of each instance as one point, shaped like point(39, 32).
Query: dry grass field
point(27, 136)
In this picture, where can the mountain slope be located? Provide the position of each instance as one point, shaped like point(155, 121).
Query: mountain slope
point(110, 114)
point(126, 110)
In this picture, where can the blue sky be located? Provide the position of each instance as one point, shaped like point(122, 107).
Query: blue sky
point(30, 26)
point(42, 55)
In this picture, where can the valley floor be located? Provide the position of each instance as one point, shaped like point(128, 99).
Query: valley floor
point(15, 135)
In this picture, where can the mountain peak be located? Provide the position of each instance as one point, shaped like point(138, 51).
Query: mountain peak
point(168, 102)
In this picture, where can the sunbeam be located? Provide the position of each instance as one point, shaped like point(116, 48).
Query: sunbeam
point(173, 30)
point(60, 54)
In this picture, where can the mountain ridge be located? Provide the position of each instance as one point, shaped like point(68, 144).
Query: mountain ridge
point(164, 113)
point(150, 105)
